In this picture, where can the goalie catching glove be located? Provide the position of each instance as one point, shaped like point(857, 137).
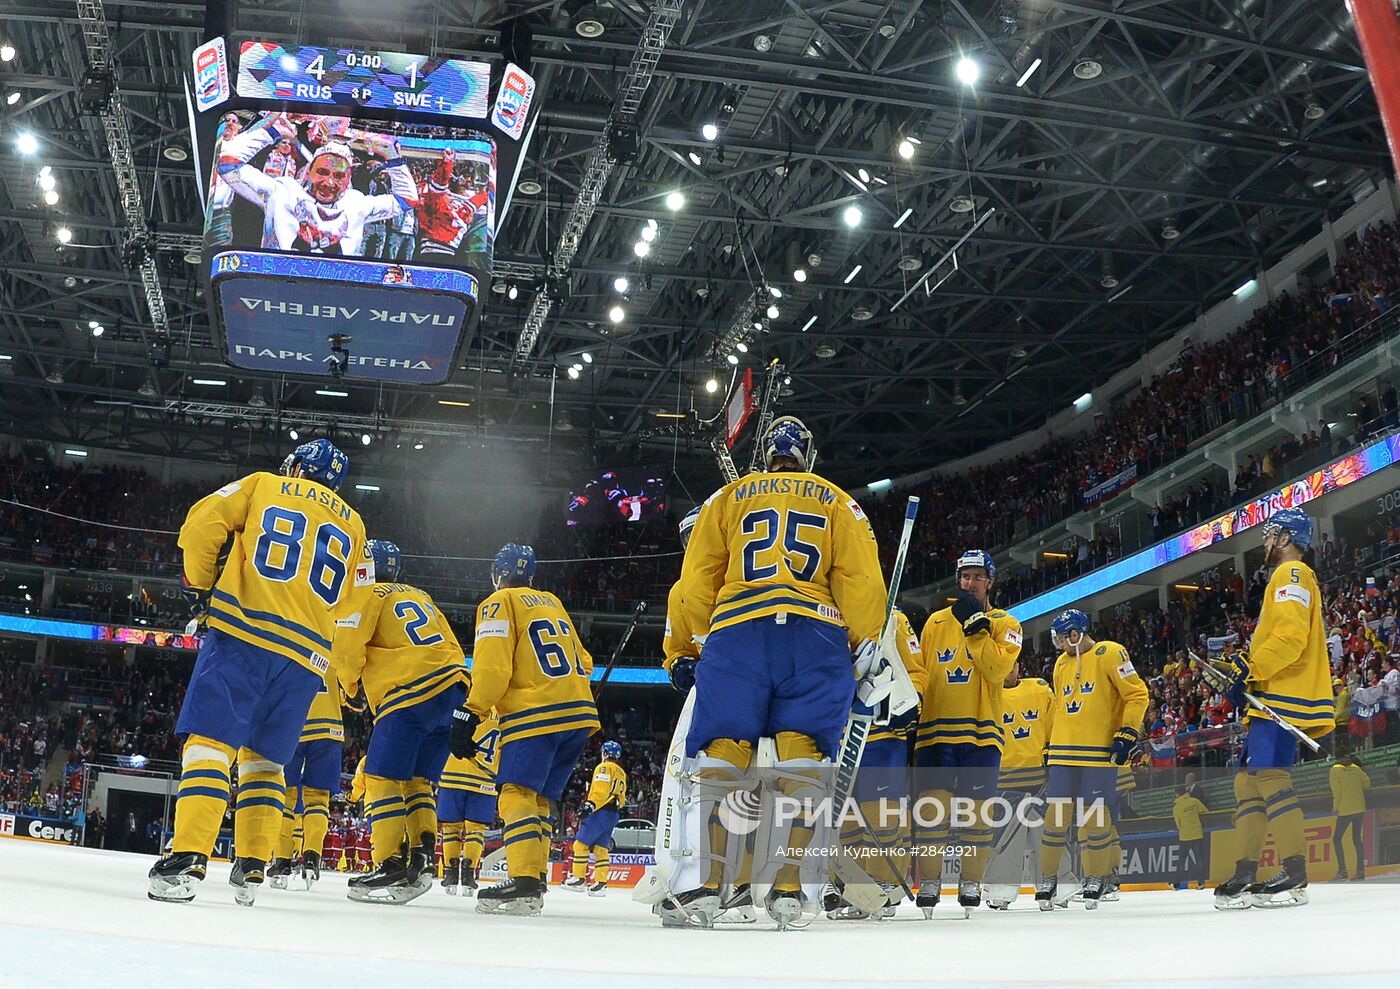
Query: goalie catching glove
point(968, 611)
point(464, 725)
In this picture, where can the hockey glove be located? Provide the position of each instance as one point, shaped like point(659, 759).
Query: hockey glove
point(586, 809)
point(1124, 741)
point(901, 722)
point(866, 658)
point(1237, 672)
point(358, 703)
point(464, 725)
point(196, 598)
point(968, 611)
point(683, 674)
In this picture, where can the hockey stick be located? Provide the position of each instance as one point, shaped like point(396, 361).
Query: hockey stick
point(858, 727)
point(622, 644)
point(1221, 681)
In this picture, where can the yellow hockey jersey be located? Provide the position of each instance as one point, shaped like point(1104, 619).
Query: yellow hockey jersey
point(609, 786)
point(793, 543)
point(913, 658)
point(676, 641)
point(1026, 715)
point(1349, 785)
point(477, 774)
point(963, 699)
point(1095, 695)
point(294, 549)
point(1288, 661)
point(1186, 812)
point(323, 720)
point(397, 642)
point(529, 664)
point(357, 782)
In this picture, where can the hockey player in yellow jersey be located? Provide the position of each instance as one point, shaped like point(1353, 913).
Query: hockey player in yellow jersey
point(883, 851)
point(312, 778)
point(400, 646)
point(1288, 670)
point(529, 664)
point(467, 807)
point(969, 648)
point(268, 565)
point(677, 643)
point(1027, 712)
point(601, 809)
point(782, 579)
point(1099, 705)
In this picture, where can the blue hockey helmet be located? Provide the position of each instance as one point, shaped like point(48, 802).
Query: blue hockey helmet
point(611, 750)
point(789, 437)
point(1294, 521)
point(321, 460)
point(977, 558)
point(388, 563)
point(513, 562)
point(688, 523)
point(1070, 620)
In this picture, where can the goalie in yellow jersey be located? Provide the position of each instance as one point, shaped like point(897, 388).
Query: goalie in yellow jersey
point(400, 645)
point(528, 664)
point(268, 565)
point(1288, 670)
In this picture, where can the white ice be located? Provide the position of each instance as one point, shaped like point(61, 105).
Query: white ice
point(81, 917)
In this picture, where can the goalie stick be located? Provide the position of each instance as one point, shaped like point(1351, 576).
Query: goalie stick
point(1220, 681)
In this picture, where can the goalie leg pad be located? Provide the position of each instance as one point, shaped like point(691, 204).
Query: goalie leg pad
point(795, 831)
point(699, 845)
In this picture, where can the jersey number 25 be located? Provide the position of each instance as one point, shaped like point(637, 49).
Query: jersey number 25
point(765, 526)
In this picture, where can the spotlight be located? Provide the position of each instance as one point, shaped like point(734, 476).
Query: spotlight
point(732, 359)
point(512, 293)
point(293, 435)
point(709, 130)
point(7, 53)
point(46, 180)
point(675, 201)
point(418, 445)
point(12, 98)
point(762, 43)
point(712, 386)
point(587, 357)
point(741, 347)
point(905, 149)
point(617, 314)
point(585, 17)
point(775, 292)
point(772, 312)
point(64, 235)
point(641, 248)
point(620, 283)
point(97, 329)
point(648, 234)
point(863, 175)
point(364, 439)
point(968, 71)
point(852, 215)
point(51, 197)
point(695, 159)
point(572, 373)
point(799, 275)
point(26, 143)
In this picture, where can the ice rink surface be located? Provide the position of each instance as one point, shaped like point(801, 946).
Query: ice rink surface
point(81, 917)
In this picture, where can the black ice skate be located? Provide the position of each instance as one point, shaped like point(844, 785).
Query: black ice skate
point(422, 864)
point(390, 883)
point(278, 872)
point(738, 907)
point(574, 884)
point(784, 907)
point(1286, 888)
point(1045, 893)
point(174, 878)
point(246, 877)
point(599, 888)
point(1110, 889)
point(310, 869)
point(697, 907)
point(523, 897)
point(1232, 893)
point(452, 877)
point(1092, 892)
point(469, 885)
point(926, 901)
point(969, 897)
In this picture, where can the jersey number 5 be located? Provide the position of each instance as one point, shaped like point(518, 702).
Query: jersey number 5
point(278, 552)
point(801, 558)
point(549, 649)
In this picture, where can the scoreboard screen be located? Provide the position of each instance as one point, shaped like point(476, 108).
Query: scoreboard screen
point(351, 202)
point(354, 79)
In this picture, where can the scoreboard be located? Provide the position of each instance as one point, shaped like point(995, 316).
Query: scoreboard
point(363, 79)
point(351, 202)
